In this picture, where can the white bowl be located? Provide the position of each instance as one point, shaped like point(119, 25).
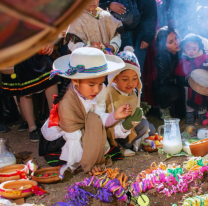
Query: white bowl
point(202, 133)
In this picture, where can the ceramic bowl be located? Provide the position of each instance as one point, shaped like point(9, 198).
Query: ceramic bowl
point(16, 189)
point(199, 148)
point(46, 180)
point(13, 172)
point(149, 148)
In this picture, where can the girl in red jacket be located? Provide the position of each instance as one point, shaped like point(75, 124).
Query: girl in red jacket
point(193, 57)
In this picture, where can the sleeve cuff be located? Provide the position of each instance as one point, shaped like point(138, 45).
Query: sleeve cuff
point(124, 130)
point(110, 120)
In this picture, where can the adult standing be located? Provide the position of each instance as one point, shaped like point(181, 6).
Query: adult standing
point(143, 34)
point(167, 90)
point(29, 77)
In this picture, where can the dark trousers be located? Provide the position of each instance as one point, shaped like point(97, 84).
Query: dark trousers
point(9, 113)
point(129, 39)
point(168, 95)
point(140, 129)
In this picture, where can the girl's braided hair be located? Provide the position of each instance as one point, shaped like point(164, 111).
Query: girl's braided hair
point(63, 91)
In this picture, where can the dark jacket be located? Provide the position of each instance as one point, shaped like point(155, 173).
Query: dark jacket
point(148, 21)
point(166, 64)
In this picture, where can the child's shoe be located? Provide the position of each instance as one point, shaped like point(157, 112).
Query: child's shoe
point(205, 122)
point(190, 117)
point(202, 117)
point(165, 113)
point(127, 153)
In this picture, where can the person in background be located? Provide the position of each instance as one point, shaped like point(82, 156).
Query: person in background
point(193, 57)
point(29, 77)
point(167, 91)
point(96, 28)
point(143, 34)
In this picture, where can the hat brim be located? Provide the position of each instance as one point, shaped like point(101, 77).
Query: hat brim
point(114, 64)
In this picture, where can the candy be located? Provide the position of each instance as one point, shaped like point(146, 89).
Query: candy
point(47, 175)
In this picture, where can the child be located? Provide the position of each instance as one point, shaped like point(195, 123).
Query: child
point(193, 57)
point(130, 132)
point(76, 130)
point(95, 26)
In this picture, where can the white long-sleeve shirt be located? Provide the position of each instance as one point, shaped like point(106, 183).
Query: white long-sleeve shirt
point(72, 150)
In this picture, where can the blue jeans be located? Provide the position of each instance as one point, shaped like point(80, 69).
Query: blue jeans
point(128, 40)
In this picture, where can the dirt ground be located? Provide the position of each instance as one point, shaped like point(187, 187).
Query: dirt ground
point(19, 142)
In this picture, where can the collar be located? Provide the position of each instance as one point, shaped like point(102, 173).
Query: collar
point(197, 55)
point(78, 94)
point(123, 93)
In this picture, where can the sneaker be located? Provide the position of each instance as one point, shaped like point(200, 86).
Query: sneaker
point(127, 153)
point(202, 117)
point(190, 117)
point(165, 113)
point(23, 126)
point(4, 128)
point(35, 135)
point(38, 124)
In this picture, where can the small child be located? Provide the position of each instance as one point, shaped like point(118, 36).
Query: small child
point(131, 131)
point(193, 57)
point(74, 131)
point(95, 27)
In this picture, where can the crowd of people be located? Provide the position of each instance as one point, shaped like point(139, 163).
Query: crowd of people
point(98, 81)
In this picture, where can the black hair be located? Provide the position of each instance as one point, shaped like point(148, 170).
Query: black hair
point(63, 91)
point(192, 38)
point(161, 38)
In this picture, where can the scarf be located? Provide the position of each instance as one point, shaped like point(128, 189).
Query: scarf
point(73, 117)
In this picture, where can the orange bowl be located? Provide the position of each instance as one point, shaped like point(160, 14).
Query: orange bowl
point(46, 170)
point(17, 189)
point(149, 148)
point(11, 172)
point(199, 148)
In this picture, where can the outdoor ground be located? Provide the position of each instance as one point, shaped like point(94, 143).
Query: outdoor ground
point(19, 142)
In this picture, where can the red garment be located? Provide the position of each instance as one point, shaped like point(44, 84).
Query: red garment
point(53, 117)
point(187, 65)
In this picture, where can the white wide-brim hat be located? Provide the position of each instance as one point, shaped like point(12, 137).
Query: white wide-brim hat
point(86, 63)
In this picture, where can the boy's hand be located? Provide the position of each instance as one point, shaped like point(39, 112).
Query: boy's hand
point(136, 117)
point(123, 111)
point(145, 107)
point(112, 48)
point(96, 45)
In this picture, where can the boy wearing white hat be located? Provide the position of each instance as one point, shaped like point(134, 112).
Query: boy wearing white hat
point(131, 131)
point(75, 129)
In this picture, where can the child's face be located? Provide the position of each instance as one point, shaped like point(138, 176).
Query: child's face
point(93, 5)
point(89, 88)
point(126, 81)
point(191, 48)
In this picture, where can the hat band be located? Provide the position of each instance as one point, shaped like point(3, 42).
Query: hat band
point(79, 69)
